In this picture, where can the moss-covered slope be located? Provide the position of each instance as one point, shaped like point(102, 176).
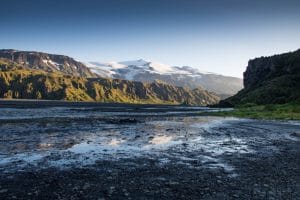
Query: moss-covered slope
point(270, 80)
point(17, 81)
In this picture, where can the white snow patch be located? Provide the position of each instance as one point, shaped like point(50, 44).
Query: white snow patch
point(109, 69)
point(161, 68)
point(130, 75)
point(51, 63)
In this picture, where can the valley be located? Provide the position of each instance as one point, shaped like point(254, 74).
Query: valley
point(150, 100)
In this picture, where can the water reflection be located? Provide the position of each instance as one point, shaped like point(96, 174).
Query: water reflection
point(115, 142)
point(158, 140)
point(185, 139)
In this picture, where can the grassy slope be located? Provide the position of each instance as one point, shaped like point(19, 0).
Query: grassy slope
point(279, 90)
point(19, 83)
point(271, 85)
point(289, 111)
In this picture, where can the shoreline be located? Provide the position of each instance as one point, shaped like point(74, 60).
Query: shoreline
point(34, 103)
point(152, 158)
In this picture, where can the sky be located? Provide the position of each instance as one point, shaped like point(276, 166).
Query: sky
point(213, 35)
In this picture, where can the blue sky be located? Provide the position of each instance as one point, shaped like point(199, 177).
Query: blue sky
point(215, 35)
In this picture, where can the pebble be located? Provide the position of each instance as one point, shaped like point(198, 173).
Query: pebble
point(3, 190)
point(86, 186)
point(296, 134)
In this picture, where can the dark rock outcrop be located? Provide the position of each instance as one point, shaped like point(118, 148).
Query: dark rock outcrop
point(47, 62)
point(267, 68)
point(268, 80)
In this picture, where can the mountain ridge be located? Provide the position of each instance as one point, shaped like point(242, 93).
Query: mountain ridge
point(139, 70)
point(47, 62)
point(18, 80)
point(184, 76)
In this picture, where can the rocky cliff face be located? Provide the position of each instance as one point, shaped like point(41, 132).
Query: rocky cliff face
point(20, 82)
point(47, 62)
point(274, 79)
point(266, 68)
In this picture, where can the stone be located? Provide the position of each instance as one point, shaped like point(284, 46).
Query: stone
point(3, 190)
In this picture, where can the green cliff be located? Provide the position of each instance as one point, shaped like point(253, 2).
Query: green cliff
point(270, 80)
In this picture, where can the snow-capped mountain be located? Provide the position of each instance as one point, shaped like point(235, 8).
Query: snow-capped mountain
point(59, 77)
point(185, 76)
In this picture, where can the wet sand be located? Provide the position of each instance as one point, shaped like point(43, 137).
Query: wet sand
point(156, 152)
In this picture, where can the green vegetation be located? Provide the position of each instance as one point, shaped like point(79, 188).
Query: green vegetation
point(289, 111)
point(10, 59)
point(272, 89)
point(269, 80)
point(279, 90)
point(20, 82)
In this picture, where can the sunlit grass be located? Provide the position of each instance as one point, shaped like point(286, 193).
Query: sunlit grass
point(290, 111)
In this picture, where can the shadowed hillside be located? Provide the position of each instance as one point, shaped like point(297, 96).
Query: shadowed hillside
point(270, 80)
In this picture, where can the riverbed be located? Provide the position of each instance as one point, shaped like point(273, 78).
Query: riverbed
point(145, 152)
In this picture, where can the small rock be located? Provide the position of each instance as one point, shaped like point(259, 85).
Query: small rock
point(296, 134)
point(3, 190)
point(86, 186)
point(111, 189)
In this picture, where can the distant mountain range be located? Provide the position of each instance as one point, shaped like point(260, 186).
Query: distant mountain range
point(147, 71)
point(36, 75)
point(270, 80)
point(138, 70)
